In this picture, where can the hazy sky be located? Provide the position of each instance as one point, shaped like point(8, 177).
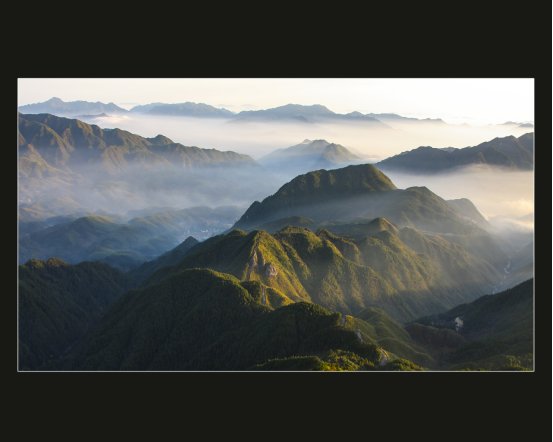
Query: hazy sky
point(477, 101)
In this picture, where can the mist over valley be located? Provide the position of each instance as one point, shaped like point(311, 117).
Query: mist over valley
point(187, 236)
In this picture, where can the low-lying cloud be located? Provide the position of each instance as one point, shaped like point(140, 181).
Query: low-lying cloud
point(259, 138)
point(496, 192)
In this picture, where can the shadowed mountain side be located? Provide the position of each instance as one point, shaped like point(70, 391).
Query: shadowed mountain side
point(58, 303)
point(199, 319)
point(495, 332)
point(168, 259)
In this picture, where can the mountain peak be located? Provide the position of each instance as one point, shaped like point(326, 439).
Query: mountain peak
point(310, 155)
point(351, 179)
point(160, 140)
point(382, 224)
point(317, 187)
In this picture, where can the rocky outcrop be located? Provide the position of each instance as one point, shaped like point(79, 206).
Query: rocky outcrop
point(270, 270)
point(257, 264)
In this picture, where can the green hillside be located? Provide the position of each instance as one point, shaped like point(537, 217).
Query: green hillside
point(199, 319)
point(407, 273)
point(58, 304)
point(495, 332)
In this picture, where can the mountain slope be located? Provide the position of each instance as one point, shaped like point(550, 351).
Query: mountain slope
point(309, 155)
point(353, 193)
point(58, 303)
point(67, 142)
point(57, 106)
point(347, 274)
point(467, 210)
point(168, 259)
point(509, 152)
point(496, 331)
point(200, 319)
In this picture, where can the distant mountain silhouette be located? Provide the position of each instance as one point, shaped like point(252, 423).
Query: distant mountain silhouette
point(309, 155)
point(509, 152)
point(57, 106)
point(304, 114)
point(187, 109)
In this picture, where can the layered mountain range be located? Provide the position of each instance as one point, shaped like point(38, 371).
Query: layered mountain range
point(289, 112)
point(67, 167)
point(122, 244)
point(337, 270)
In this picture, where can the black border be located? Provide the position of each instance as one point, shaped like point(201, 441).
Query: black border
point(443, 40)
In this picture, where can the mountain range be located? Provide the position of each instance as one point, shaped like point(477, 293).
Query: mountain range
point(289, 112)
point(70, 167)
point(304, 114)
point(205, 320)
point(406, 273)
point(47, 141)
point(122, 244)
point(337, 270)
point(509, 152)
point(188, 109)
point(57, 106)
point(294, 300)
point(76, 318)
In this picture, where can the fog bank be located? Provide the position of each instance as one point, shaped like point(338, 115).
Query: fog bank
point(257, 139)
point(498, 194)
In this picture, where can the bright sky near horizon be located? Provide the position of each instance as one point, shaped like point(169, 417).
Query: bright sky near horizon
point(475, 101)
